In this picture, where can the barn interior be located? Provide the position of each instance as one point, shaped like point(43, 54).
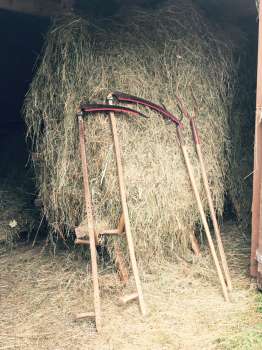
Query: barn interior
point(23, 30)
point(21, 50)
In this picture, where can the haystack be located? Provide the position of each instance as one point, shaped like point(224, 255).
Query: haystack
point(154, 54)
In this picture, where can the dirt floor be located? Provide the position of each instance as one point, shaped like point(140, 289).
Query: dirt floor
point(41, 293)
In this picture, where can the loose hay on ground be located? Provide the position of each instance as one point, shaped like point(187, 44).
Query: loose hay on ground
point(40, 293)
point(16, 213)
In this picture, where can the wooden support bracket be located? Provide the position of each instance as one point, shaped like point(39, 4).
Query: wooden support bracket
point(82, 241)
point(84, 315)
point(127, 298)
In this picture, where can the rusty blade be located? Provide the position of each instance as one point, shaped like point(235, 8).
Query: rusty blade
point(99, 108)
point(123, 97)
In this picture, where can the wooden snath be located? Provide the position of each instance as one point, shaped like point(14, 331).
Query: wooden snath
point(86, 233)
point(125, 98)
point(198, 148)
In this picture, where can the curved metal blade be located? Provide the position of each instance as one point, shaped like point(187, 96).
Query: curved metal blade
point(98, 108)
point(123, 97)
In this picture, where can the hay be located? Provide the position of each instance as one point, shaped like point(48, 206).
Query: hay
point(242, 130)
point(16, 213)
point(41, 293)
point(153, 54)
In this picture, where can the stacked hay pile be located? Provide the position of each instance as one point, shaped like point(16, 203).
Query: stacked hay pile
point(154, 54)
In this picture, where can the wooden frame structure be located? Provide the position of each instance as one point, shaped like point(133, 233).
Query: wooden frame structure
point(86, 233)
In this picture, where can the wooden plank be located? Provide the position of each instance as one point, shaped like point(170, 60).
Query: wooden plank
point(84, 315)
point(257, 174)
point(213, 214)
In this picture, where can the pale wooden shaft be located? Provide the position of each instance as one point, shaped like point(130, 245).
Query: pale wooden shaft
point(125, 213)
point(82, 241)
point(112, 232)
point(91, 231)
point(84, 315)
point(203, 218)
point(127, 298)
point(214, 218)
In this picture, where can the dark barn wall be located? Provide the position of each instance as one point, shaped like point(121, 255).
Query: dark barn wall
point(21, 41)
point(21, 38)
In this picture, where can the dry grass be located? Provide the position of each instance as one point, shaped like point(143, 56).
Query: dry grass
point(40, 293)
point(154, 55)
point(16, 213)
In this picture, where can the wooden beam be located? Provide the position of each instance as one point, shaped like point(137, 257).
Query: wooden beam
point(38, 7)
point(257, 177)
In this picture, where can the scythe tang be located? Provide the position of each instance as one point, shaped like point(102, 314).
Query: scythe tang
point(122, 97)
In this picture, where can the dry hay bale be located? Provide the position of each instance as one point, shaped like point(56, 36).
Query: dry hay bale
point(154, 54)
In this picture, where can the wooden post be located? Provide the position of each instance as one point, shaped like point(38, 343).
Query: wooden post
point(256, 218)
point(125, 210)
point(91, 230)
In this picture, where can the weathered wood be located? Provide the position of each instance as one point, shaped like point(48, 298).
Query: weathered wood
point(111, 232)
point(213, 216)
point(127, 298)
point(257, 173)
point(83, 315)
point(90, 220)
point(82, 241)
point(203, 216)
point(38, 7)
point(129, 237)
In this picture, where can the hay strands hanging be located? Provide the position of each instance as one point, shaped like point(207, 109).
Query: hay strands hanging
point(88, 230)
point(198, 148)
point(125, 98)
